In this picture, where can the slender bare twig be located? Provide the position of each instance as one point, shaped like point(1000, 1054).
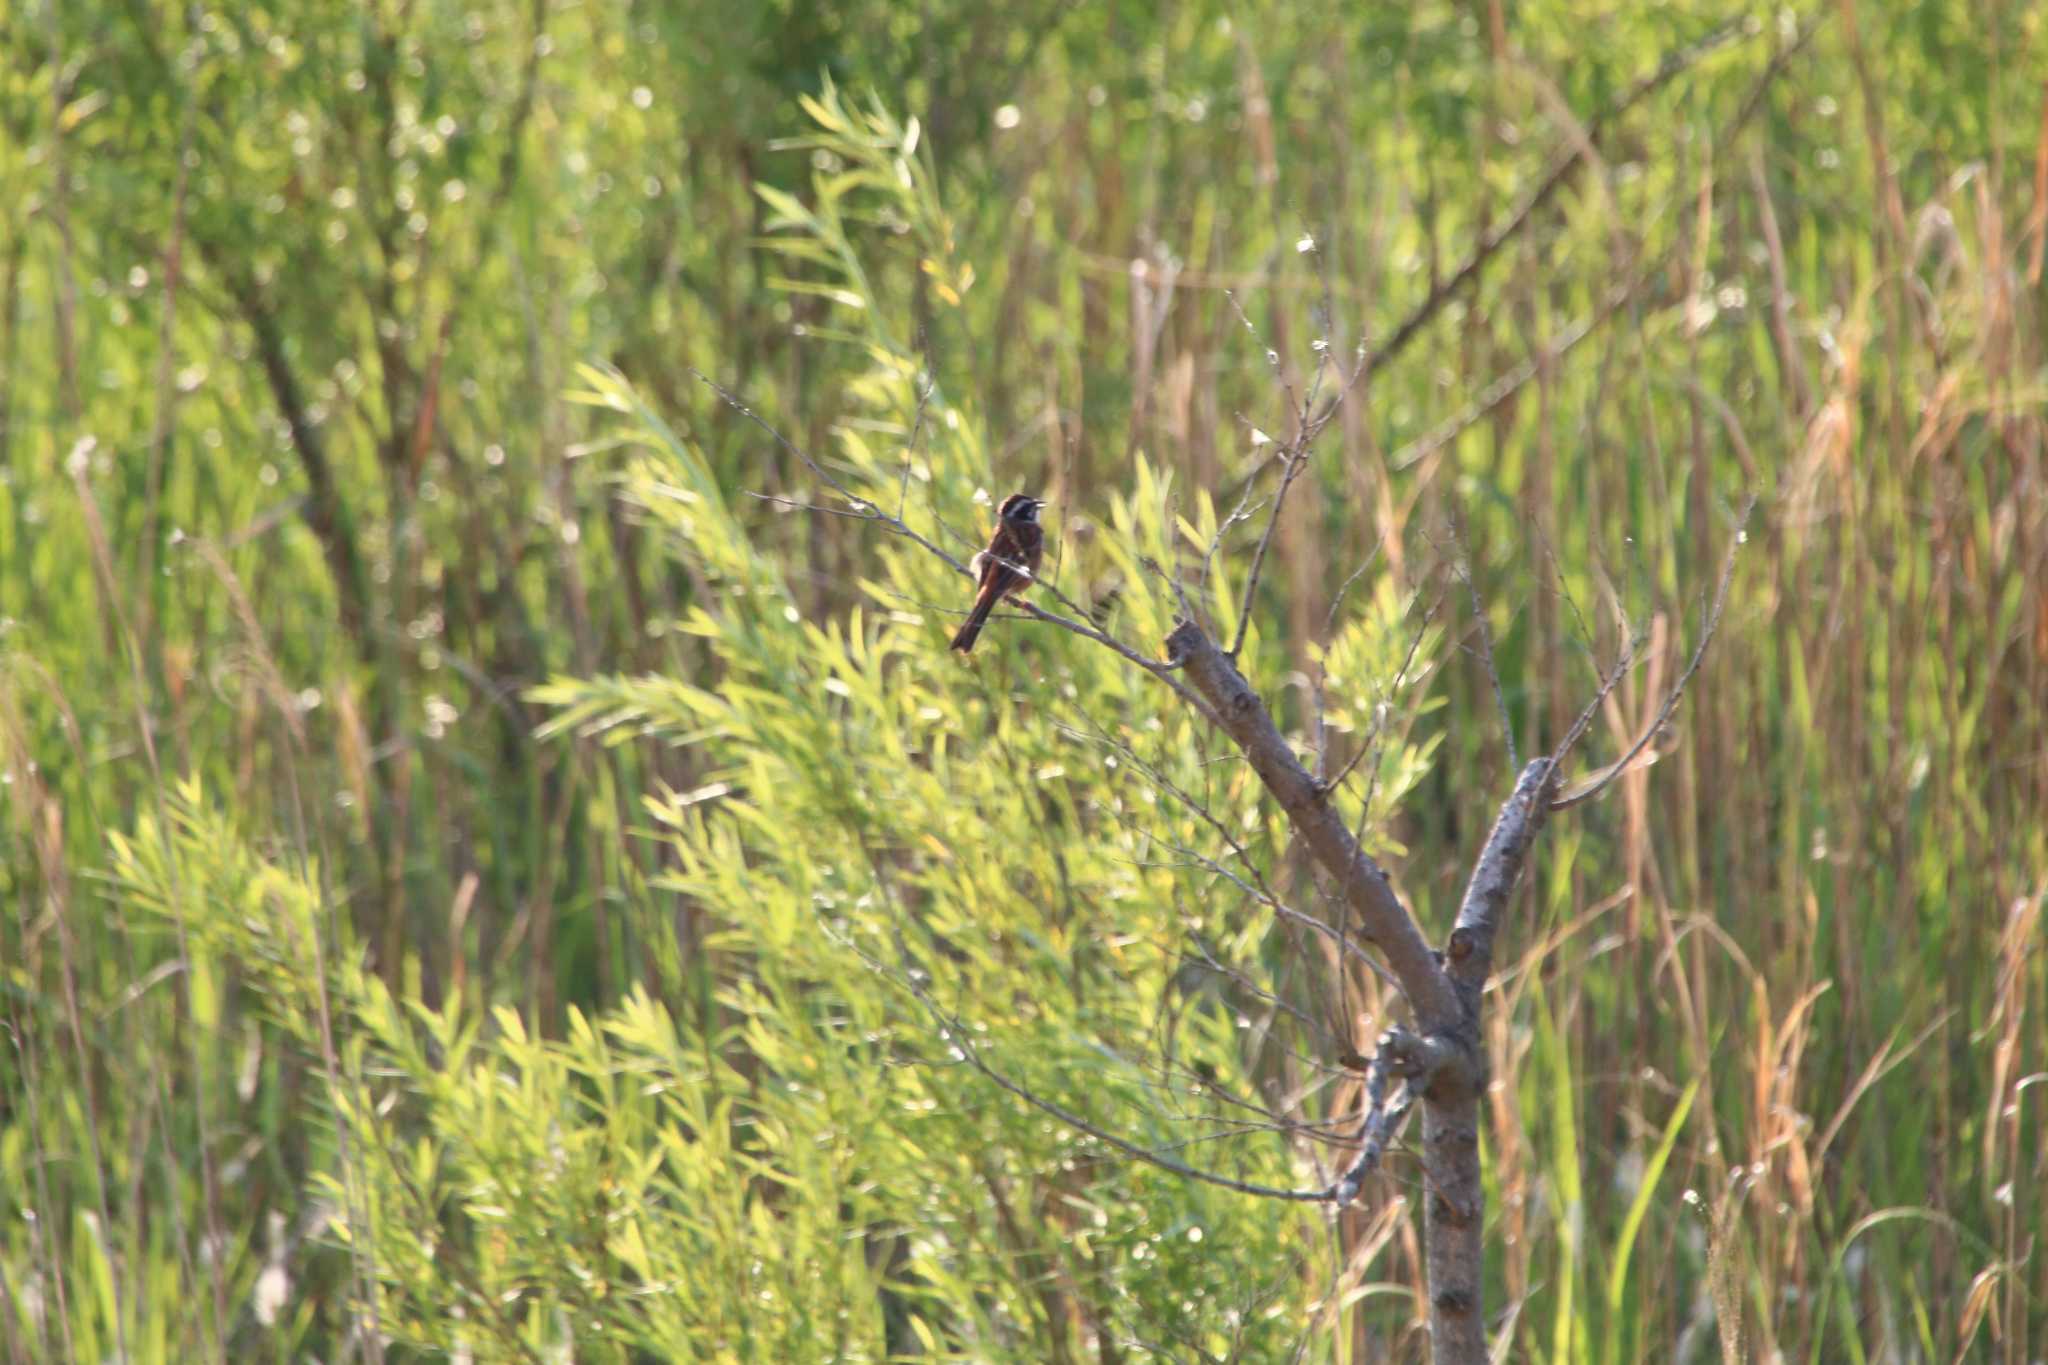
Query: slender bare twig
point(959, 1036)
point(1337, 598)
point(924, 398)
point(1564, 590)
point(1318, 685)
point(1171, 582)
point(1257, 889)
point(1608, 682)
point(1279, 907)
point(1207, 958)
point(1294, 459)
point(1561, 171)
point(1273, 357)
point(1415, 1060)
point(1383, 919)
point(1461, 565)
point(1711, 624)
point(1242, 512)
point(1373, 733)
point(1198, 809)
point(864, 509)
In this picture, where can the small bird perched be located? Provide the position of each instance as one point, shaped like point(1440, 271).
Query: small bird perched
point(1008, 565)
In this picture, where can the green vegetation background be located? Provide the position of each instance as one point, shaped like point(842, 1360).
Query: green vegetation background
point(480, 882)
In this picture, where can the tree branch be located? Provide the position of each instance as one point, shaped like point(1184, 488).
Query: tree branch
point(1587, 790)
point(1470, 956)
point(957, 1035)
point(326, 511)
point(1500, 235)
point(866, 509)
point(1416, 1060)
point(1382, 918)
point(1454, 1211)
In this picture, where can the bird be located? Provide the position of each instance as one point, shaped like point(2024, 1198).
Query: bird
point(1007, 566)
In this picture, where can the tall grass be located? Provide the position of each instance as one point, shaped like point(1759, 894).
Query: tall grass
point(335, 1000)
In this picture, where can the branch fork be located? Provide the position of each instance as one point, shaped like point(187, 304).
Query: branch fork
point(1441, 1061)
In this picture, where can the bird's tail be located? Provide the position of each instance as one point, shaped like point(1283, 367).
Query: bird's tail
point(970, 630)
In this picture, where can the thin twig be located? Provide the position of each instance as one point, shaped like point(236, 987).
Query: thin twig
point(1564, 590)
point(1259, 891)
point(931, 382)
point(1415, 1060)
point(1317, 686)
point(1242, 512)
point(1400, 674)
point(1337, 598)
point(960, 1037)
point(1295, 461)
point(1281, 908)
point(864, 509)
point(1461, 565)
point(1493, 240)
point(1671, 698)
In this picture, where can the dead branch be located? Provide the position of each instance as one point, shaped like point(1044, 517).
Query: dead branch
point(1415, 1060)
point(1586, 791)
point(1365, 886)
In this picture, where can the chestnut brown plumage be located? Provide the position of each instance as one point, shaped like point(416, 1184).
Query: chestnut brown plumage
point(1007, 566)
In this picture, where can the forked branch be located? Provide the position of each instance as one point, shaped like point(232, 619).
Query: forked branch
point(1381, 917)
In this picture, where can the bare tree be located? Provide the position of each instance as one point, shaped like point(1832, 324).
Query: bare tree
point(1438, 1057)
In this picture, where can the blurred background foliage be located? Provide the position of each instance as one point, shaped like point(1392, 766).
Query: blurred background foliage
point(486, 879)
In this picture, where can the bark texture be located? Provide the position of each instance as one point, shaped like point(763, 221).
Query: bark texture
point(1382, 919)
point(1444, 1058)
point(1455, 1208)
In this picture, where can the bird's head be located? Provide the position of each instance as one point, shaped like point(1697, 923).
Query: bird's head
point(1020, 507)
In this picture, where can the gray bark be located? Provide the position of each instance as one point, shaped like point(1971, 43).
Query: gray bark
point(1444, 1058)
